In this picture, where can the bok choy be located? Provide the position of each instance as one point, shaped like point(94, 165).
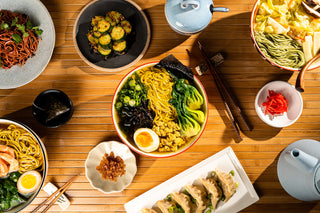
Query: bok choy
point(187, 101)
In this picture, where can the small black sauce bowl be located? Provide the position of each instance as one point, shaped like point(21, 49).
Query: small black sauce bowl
point(52, 108)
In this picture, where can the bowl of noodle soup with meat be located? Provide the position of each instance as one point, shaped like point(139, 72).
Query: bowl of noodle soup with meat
point(286, 33)
point(158, 114)
point(30, 154)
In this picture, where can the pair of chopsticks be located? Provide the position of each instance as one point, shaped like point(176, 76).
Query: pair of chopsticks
point(57, 193)
point(229, 101)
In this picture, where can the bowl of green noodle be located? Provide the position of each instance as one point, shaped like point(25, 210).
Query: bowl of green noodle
point(148, 103)
point(285, 34)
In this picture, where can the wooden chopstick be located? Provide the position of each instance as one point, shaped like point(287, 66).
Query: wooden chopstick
point(225, 93)
point(62, 189)
point(222, 95)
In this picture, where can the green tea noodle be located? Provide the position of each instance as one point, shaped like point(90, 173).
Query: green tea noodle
point(281, 49)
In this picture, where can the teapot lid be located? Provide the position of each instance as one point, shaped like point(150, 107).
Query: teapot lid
point(188, 16)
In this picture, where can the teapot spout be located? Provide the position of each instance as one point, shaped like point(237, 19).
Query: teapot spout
point(218, 9)
point(303, 160)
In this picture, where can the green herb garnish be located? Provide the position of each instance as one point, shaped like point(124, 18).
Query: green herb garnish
point(22, 28)
point(231, 173)
point(4, 25)
point(17, 39)
point(29, 25)
point(213, 174)
point(0, 62)
point(223, 197)
point(37, 30)
point(14, 21)
point(169, 198)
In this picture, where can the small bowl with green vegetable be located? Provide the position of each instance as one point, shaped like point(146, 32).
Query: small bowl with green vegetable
point(158, 111)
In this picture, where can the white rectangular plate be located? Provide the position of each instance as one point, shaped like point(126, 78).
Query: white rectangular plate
point(224, 160)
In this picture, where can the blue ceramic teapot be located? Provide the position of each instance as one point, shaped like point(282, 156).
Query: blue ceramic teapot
point(189, 17)
point(299, 170)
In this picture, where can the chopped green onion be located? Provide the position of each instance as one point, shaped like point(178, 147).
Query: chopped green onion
point(213, 174)
point(17, 39)
point(0, 62)
point(236, 184)
point(132, 102)
point(126, 99)
point(169, 198)
point(132, 83)
point(231, 173)
point(118, 105)
point(171, 209)
point(223, 197)
point(138, 87)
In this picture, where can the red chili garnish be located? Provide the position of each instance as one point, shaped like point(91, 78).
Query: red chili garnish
point(276, 103)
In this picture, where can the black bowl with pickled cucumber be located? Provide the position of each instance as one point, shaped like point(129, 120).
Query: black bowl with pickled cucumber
point(111, 35)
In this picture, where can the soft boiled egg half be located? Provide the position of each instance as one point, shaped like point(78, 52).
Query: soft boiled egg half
point(29, 182)
point(146, 139)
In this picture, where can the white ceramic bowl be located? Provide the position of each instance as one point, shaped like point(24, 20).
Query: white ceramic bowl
point(295, 104)
point(4, 123)
point(155, 154)
point(18, 75)
point(94, 158)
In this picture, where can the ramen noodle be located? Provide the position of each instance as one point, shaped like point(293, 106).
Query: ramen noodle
point(159, 86)
point(26, 147)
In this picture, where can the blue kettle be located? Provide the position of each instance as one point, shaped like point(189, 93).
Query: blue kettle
point(189, 17)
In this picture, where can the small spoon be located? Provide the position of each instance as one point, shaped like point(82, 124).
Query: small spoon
point(300, 78)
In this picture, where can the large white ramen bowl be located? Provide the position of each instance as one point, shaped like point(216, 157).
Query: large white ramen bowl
point(131, 144)
point(4, 123)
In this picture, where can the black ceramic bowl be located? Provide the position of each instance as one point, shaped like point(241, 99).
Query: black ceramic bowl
point(52, 108)
point(139, 38)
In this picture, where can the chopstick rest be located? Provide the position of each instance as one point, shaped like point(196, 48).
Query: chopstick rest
point(62, 201)
point(216, 60)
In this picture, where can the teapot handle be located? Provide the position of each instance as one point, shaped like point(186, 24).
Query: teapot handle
point(218, 9)
point(185, 3)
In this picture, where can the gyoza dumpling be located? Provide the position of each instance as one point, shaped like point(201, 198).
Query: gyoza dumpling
point(213, 189)
point(164, 205)
point(183, 200)
point(227, 184)
point(145, 210)
point(199, 194)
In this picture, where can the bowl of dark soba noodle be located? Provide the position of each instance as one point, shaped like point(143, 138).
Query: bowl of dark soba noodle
point(27, 39)
point(286, 32)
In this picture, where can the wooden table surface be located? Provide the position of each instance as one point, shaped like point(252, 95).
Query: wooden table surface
point(91, 92)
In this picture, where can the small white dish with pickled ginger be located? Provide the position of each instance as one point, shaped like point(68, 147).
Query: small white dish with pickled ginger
point(146, 139)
